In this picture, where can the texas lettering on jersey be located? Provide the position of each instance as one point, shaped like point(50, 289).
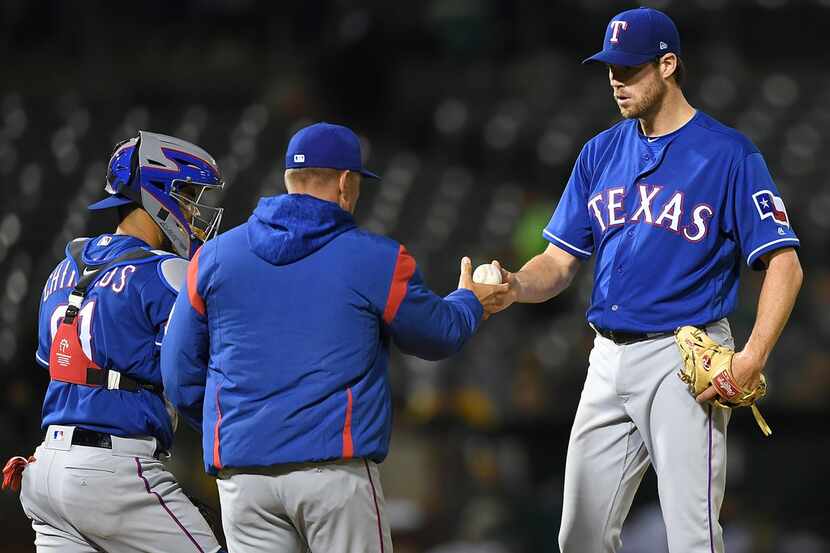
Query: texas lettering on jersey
point(609, 209)
point(692, 207)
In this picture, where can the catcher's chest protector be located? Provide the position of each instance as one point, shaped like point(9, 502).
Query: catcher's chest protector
point(68, 362)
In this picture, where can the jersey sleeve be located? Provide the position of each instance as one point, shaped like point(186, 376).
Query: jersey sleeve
point(755, 215)
point(172, 273)
point(44, 318)
point(570, 226)
point(421, 322)
point(159, 294)
point(44, 332)
point(185, 348)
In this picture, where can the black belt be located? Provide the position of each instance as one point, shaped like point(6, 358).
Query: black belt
point(91, 438)
point(622, 338)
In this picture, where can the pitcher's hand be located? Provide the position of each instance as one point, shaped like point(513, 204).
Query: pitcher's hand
point(487, 294)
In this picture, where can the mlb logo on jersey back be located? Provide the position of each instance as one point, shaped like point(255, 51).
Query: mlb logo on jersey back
point(770, 205)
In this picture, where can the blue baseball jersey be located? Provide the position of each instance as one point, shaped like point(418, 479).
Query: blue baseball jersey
point(121, 324)
point(671, 220)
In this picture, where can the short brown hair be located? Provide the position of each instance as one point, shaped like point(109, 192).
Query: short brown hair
point(314, 176)
point(680, 72)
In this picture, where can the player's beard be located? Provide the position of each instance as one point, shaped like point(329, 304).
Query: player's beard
point(650, 101)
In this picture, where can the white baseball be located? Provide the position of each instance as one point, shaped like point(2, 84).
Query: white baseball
point(487, 274)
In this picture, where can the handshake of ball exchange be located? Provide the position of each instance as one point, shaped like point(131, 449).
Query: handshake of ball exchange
point(494, 287)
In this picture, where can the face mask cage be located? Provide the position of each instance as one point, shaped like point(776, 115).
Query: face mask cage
point(195, 200)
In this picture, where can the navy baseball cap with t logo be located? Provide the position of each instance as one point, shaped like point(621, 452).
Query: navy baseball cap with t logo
point(326, 146)
point(637, 36)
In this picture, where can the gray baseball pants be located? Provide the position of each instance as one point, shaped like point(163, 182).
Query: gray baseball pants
point(89, 499)
point(334, 507)
point(634, 411)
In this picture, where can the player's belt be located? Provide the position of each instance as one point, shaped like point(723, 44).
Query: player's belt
point(621, 338)
point(91, 438)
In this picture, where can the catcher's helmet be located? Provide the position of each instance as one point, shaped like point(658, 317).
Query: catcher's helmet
point(167, 177)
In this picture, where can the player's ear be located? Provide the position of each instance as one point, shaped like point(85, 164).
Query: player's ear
point(343, 182)
point(349, 190)
point(668, 65)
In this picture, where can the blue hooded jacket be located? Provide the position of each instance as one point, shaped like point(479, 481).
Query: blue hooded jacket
point(279, 342)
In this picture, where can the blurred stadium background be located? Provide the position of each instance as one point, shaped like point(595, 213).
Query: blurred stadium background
point(473, 111)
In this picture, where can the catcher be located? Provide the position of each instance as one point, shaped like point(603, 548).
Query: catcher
point(97, 482)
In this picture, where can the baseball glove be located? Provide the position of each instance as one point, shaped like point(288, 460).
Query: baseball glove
point(706, 362)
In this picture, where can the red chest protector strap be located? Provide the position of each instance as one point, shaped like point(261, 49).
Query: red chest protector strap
point(67, 360)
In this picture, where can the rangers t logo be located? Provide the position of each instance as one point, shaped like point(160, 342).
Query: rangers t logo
point(615, 33)
point(770, 205)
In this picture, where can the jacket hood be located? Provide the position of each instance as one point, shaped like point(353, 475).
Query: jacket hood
point(284, 229)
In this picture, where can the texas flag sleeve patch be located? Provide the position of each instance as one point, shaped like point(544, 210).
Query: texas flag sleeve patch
point(770, 205)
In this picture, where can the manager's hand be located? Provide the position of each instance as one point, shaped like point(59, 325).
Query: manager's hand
point(486, 293)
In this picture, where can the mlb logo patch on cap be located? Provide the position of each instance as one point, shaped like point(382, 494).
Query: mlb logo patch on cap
point(299, 158)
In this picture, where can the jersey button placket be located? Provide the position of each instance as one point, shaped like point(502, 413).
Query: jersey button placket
point(617, 282)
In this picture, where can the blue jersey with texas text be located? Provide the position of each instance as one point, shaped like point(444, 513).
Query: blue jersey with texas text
point(120, 326)
point(670, 220)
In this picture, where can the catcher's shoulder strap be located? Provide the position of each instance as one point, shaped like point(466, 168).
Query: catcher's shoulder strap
point(87, 273)
point(67, 360)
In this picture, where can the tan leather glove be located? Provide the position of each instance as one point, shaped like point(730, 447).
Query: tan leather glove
point(706, 362)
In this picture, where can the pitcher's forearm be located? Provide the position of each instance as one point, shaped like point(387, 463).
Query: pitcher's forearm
point(775, 303)
point(546, 276)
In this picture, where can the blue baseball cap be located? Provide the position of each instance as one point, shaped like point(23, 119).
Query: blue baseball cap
point(326, 146)
point(637, 36)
